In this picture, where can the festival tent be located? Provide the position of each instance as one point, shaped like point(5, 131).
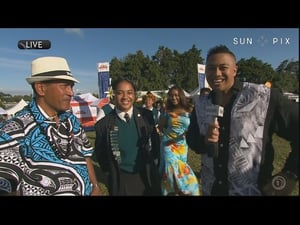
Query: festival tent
point(2, 111)
point(3, 114)
point(83, 110)
point(20, 105)
point(99, 103)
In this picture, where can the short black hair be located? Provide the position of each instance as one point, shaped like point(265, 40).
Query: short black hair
point(205, 89)
point(120, 80)
point(219, 49)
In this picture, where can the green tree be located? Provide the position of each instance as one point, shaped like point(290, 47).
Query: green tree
point(116, 68)
point(187, 74)
point(254, 70)
point(164, 57)
point(287, 76)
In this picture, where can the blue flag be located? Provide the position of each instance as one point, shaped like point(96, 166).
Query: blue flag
point(103, 79)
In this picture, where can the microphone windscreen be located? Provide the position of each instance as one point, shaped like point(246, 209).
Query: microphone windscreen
point(217, 97)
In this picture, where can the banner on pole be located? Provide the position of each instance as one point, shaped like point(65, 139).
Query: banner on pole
point(103, 79)
point(201, 76)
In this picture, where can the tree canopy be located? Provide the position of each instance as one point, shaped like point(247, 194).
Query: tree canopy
point(169, 67)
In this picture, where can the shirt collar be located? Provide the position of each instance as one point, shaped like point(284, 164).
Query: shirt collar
point(122, 114)
point(45, 114)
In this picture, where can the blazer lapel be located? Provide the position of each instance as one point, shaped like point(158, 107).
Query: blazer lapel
point(139, 122)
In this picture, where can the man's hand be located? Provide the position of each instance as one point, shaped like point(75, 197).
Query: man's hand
point(96, 190)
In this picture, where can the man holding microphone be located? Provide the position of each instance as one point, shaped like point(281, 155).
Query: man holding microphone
point(236, 146)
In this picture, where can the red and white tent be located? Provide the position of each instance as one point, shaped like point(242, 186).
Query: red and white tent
point(100, 102)
point(83, 109)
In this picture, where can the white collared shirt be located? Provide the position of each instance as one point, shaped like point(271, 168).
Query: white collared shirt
point(122, 114)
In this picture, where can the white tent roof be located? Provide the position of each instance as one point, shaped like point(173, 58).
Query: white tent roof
point(159, 92)
point(196, 91)
point(87, 97)
point(2, 111)
point(20, 105)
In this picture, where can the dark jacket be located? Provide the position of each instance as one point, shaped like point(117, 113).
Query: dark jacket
point(146, 131)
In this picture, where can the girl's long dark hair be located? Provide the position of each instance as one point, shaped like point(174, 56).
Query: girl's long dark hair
point(183, 102)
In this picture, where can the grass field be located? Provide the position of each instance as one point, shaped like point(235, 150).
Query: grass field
point(282, 149)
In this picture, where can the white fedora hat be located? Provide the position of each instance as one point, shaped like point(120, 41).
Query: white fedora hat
point(50, 68)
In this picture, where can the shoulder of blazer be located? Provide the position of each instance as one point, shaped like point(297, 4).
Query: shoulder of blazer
point(145, 113)
point(107, 121)
point(142, 120)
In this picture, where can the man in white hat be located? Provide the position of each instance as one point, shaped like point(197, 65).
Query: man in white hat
point(43, 149)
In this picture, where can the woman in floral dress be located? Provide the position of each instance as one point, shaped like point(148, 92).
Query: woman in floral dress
point(177, 176)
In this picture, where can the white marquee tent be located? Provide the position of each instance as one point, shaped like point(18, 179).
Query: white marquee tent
point(20, 105)
point(2, 111)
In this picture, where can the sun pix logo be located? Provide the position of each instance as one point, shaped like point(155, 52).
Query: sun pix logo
point(261, 41)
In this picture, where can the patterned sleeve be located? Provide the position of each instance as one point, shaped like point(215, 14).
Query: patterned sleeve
point(10, 159)
point(81, 137)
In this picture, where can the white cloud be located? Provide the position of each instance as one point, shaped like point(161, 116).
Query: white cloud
point(76, 31)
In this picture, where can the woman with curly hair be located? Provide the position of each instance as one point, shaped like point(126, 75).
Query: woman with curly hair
point(177, 176)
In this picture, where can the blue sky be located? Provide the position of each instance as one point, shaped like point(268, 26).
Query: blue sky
point(84, 48)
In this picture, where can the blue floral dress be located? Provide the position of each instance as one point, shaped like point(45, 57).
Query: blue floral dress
point(174, 169)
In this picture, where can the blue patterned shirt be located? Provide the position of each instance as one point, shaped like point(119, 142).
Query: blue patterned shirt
point(39, 157)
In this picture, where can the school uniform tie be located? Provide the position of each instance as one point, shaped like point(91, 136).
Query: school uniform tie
point(127, 118)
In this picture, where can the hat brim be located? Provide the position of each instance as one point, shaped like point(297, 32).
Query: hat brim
point(34, 79)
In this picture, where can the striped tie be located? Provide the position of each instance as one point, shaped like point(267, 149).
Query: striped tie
point(127, 118)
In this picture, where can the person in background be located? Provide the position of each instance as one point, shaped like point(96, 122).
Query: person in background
point(3, 117)
point(253, 113)
point(43, 148)
point(178, 177)
point(127, 144)
point(204, 91)
point(158, 105)
point(149, 100)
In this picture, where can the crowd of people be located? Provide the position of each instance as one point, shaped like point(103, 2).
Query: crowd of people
point(143, 150)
